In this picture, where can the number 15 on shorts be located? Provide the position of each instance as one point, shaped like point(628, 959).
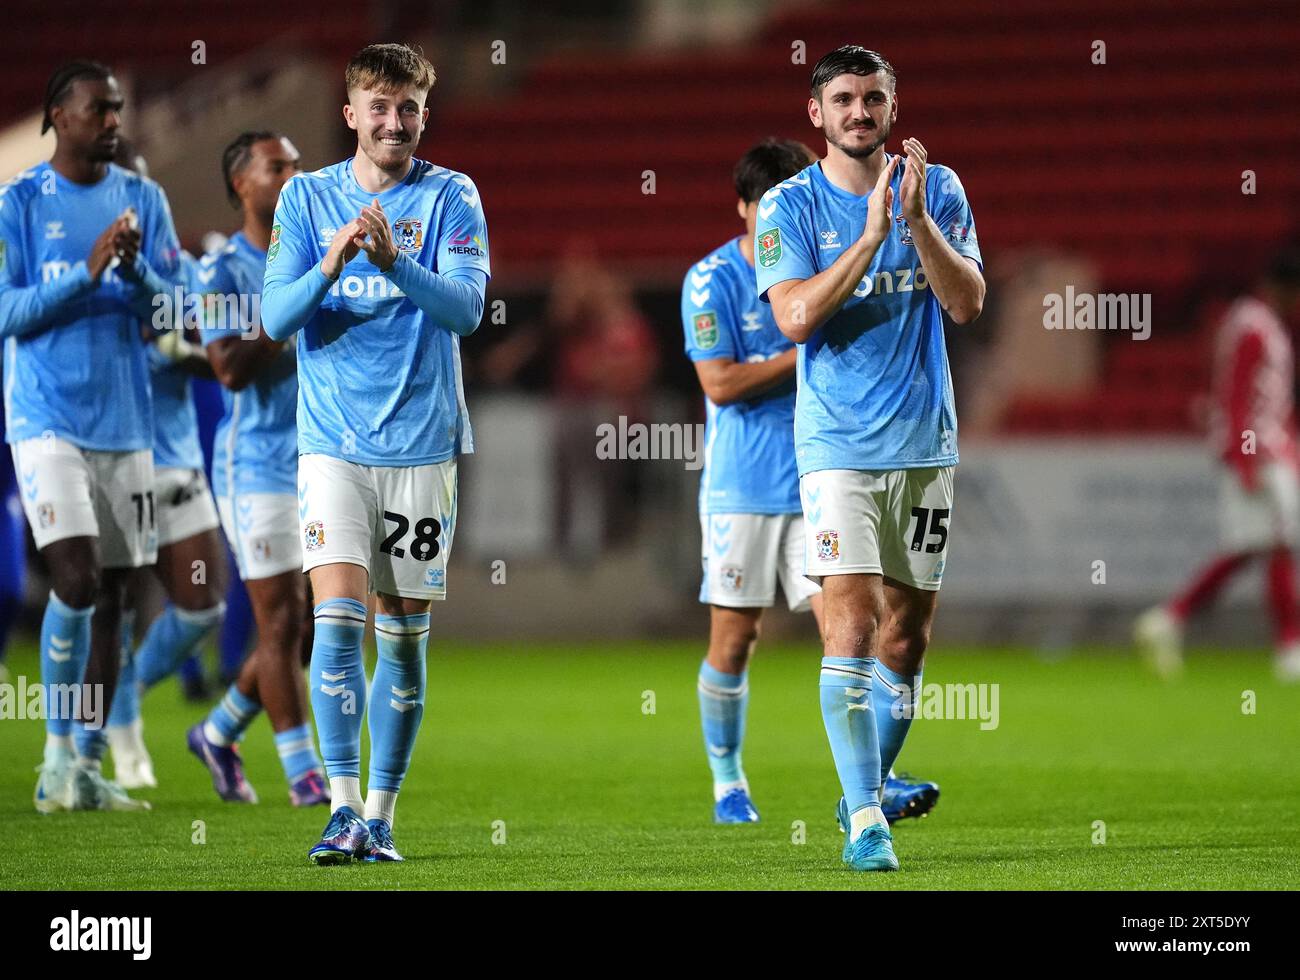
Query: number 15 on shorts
point(929, 532)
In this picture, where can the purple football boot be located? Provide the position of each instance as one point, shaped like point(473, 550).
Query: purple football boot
point(309, 789)
point(225, 765)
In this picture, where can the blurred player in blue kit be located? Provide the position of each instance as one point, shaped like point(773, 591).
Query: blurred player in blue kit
point(85, 246)
point(380, 264)
point(751, 522)
point(189, 549)
point(861, 286)
point(254, 475)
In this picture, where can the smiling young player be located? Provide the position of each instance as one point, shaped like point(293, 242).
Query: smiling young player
point(861, 288)
point(381, 262)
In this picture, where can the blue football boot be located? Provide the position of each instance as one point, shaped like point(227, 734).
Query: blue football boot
point(873, 850)
point(381, 846)
point(905, 796)
point(345, 837)
point(735, 807)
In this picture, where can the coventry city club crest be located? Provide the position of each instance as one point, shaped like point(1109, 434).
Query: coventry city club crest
point(313, 536)
point(408, 234)
point(905, 231)
point(828, 545)
point(769, 247)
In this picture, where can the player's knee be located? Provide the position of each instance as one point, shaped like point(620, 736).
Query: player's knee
point(282, 628)
point(852, 635)
point(734, 645)
point(907, 646)
point(77, 587)
point(196, 598)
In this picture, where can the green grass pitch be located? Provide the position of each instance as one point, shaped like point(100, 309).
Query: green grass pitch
point(554, 747)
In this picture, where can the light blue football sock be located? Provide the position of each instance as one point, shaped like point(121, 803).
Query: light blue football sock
point(398, 703)
point(724, 699)
point(337, 682)
point(226, 723)
point(65, 651)
point(91, 743)
point(126, 699)
point(851, 729)
point(297, 750)
point(893, 701)
point(171, 638)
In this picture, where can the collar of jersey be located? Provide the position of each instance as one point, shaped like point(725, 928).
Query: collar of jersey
point(110, 177)
point(734, 245)
point(840, 192)
point(355, 190)
point(244, 245)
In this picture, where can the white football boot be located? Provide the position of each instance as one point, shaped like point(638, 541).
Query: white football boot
point(132, 767)
point(1159, 638)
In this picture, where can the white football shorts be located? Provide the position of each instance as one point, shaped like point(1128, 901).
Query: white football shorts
point(69, 492)
point(884, 522)
point(744, 555)
point(1264, 519)
point(263, 532)
point(394, 521)
point(185, 506)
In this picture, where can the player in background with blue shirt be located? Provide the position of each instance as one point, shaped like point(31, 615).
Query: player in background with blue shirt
point(255, 476)
point(187, 540)
point(86, 246)
point(381, 262)
point(751, 520)
point(862, 289)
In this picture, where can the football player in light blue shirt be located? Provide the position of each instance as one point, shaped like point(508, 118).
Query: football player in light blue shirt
point(255, 477)
point(381, 262)
point(751, 524)
point(751, 520)
point(84, 248)
point(859, 256)
point(186, 522)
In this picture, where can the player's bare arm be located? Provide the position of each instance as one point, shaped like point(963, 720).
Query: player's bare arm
point(955, 279)
point(725, 380)
point(183, 354)
point(237, 361)
point(801, 306)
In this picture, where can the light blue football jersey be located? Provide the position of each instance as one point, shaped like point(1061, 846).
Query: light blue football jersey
point(875, 392)
point(379, 382)
point(749, 464)
point(175, 418)
point(255, 448)
point(83, 376)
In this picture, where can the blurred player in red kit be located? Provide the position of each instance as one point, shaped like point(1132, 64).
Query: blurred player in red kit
point(1254, 437)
